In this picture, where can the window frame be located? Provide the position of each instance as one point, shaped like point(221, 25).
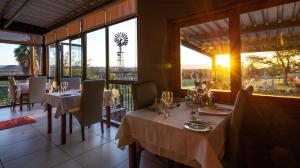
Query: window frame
point(232, 12)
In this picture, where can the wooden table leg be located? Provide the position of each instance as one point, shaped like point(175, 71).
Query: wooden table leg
point(21, 102)
point(108, 116)
point(132, 156)
point(63, 128)
point(49, 116)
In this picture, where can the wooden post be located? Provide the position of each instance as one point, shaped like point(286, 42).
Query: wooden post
point(132, 156)
point(63, 128)
point(49, 111)
point(235, 55)
point(108, 110)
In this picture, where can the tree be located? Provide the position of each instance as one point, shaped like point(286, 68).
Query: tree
point(23, 55)
point(282, 61)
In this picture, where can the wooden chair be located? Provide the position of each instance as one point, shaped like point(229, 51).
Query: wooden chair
point(91, 105)
point(143, 94)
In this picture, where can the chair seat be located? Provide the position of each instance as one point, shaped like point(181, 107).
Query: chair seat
point(74, 110)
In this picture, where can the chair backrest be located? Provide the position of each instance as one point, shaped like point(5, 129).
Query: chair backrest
point(37, 89)
point(12, 88)
point(91, 104)
point(250, 89)
point(235, 125)
point(73, 83)
point(143, 94)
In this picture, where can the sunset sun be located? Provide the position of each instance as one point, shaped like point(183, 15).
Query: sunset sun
point(223, 60)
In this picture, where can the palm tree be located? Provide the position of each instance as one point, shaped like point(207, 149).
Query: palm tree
point(23, 54)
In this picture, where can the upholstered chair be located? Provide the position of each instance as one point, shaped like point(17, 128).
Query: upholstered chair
point(250, 89)
point(234, 129)
point(37, 89)
point(73, 83)
point(12, 92)
point(91, 105)
point(143, 94)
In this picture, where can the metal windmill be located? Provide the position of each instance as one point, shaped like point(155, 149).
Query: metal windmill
point(122, 40)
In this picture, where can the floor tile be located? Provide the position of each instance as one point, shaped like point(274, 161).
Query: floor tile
point(39, 159)
point(104, 156)
point(124, 164)
point(15, 129)
point(75, 146)
point(109, 133)
point(69, 164)
point(7, 139)
point(17, 150)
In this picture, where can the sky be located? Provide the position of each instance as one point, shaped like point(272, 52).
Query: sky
point(95, 46)
point(7, 54)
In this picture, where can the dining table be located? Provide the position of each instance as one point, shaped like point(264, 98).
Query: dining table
point(22, 90)
point(168, 137)
point(65, 101)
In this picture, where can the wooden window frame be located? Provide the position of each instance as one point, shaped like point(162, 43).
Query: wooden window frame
point(232, 12)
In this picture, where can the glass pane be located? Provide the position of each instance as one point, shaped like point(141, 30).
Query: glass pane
point(38, 61)
point(204, 56)
point(52, 60)
point(270, 50)
point(15, 59)
point(66, 59)
point(76, 57)
point(4, 100)
point(96, 55)
point(123, 51)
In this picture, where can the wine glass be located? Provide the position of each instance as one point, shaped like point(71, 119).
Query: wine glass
point(167, 99)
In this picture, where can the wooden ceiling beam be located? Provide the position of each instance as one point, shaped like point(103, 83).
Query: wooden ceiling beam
point(258, 28)
point(17, 13)
point(195, 48)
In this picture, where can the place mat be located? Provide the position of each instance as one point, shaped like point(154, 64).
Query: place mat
point(16, 122)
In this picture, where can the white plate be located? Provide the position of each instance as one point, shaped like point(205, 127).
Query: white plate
point(198, 126)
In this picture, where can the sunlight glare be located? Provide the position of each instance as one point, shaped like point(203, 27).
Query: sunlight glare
point(223, 60)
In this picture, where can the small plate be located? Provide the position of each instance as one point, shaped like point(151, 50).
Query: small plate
point(198, 126)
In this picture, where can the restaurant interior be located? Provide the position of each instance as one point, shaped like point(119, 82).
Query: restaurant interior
point(150, 84)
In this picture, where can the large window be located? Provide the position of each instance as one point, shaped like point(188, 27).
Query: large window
point(270, 50)
point(204, 56)
point(52, 60)
point(76, 57)
point(96, 54)
point(123, 51)
point(20, 60)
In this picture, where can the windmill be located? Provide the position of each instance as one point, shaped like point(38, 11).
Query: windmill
point(122, 40)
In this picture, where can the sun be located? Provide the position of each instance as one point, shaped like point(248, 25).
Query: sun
point(223, 60)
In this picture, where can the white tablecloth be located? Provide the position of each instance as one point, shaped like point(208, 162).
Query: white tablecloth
point(168, 138)
point(24, 88)
point(71, 100)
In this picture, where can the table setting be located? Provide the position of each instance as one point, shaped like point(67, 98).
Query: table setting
point(177, 128)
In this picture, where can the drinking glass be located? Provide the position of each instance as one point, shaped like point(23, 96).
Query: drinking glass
point(167, 99)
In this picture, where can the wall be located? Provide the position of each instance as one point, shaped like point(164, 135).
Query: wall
point(153, 32)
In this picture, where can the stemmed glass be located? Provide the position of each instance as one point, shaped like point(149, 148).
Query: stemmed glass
point(167, 99)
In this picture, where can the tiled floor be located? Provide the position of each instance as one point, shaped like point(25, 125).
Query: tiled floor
point(30, 146)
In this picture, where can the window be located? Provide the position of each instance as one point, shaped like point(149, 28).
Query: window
point(123, 51)
point(20, 60)
point(204, 55)
point(270, 50)
point(96, 55)
point(76, 57)
point(52, 60)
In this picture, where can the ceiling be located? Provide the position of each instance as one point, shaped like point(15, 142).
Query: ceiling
point(261, 30)
point(44, 14)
